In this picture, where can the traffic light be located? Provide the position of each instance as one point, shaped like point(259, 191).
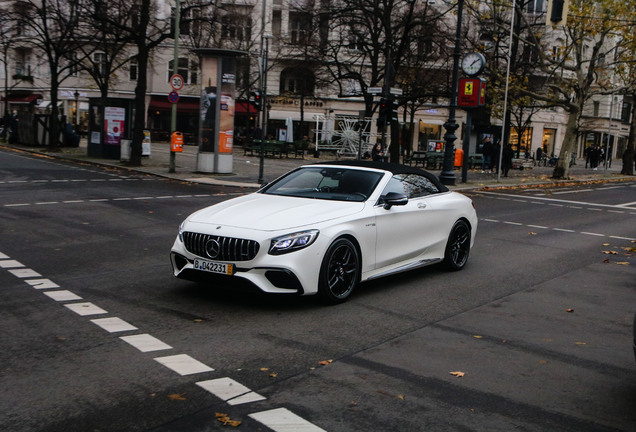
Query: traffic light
point(255, 99)
point(384, 112)
point(557, 12)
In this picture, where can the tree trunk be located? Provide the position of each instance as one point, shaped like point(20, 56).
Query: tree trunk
point(562, 168)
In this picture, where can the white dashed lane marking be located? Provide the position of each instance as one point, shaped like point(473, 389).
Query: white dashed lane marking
point(227, 389)
point(146, 343)
point(565, 230)
point(230, 391)
point(62, 295)
point(283, 420)
point(561, 202)
point(183, 364)
point(118, 199)
point(85, 309)
point(114, 324)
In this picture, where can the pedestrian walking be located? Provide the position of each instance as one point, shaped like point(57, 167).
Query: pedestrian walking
point(377, 154)
point(486, 152)
point(595, 156)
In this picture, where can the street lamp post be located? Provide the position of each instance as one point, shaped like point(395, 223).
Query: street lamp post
point(264, 106)
point(77, 110)
point(447, 175)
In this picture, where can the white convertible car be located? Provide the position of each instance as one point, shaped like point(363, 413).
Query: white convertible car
point(323, 228)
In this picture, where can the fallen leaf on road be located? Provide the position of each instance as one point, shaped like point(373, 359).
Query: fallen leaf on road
point(226, 420)
point(532, 233)
point(458, 374)
point(477, 337)
point(610, 252)
point(273, 375)
point(622, 263)
point(325, 362)
point(581, 343)
point(177, 396)
point(569, 310)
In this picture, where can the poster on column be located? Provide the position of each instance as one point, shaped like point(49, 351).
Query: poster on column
point(114, 120)
point(207, 123)
point(226, 114)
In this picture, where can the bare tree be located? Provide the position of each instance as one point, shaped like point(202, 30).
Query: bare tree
point(51, 26)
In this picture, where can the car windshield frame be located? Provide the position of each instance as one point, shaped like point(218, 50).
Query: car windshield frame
point(333, 183)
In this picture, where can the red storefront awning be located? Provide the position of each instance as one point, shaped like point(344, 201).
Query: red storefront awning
point(245, 108)
point(25, 99)
point(185, 104)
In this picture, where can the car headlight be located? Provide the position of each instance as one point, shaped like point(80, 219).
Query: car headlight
point(181, 231)
point(292, 242)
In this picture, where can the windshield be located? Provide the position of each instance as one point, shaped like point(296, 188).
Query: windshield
point(340, 184)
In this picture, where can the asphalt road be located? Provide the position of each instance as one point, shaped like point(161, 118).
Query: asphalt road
point(534, 334)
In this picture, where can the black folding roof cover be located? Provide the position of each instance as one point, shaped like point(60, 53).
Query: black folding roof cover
point(391, 167)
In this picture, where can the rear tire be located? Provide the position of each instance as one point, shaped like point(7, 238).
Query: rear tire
point(458, 246)
point(339, 272)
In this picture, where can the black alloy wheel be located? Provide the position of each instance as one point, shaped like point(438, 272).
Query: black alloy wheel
point(458, 246)
point(339, 272)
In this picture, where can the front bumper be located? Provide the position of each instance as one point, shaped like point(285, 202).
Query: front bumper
point(293, 273)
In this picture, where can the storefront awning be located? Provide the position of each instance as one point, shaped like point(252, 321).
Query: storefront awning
point(25, 99)
point(244, 108)
point(294, 115)
point(47, 104)
point(185, 104)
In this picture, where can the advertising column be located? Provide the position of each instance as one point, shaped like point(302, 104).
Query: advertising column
point(216, 121)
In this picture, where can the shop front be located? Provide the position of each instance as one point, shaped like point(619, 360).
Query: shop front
point(160, 117)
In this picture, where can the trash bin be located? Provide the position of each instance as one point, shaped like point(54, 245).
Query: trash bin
point(459, 157)
point(176, 142)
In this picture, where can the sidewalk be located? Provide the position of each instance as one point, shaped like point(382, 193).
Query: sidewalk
point(246, 168)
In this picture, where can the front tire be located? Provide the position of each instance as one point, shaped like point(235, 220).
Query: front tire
point(339, 272)
point(458, 246)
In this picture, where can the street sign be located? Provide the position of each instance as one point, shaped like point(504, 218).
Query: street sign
point(472, 92)
point(395, 91)
point(176, 82)
point(173, 97)
point(374, 90)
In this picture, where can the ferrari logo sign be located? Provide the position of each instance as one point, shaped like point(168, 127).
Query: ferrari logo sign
point(472, 92)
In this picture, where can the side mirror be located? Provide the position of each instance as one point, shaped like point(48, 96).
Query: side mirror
point(394, 199)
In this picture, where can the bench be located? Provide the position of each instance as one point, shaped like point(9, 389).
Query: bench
point(416, 157)
point(475, 160)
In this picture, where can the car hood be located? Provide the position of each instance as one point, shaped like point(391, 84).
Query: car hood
point(271, 212)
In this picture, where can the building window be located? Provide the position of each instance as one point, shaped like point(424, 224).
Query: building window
point(297, 81)
point(187, 69)
point(356, 42)
point(597, 106)
point(23, 63)
point(99, 64)
point(277, 22)
point(535, 6)
point(626, 112)
point(72, 65)
point(133, 69)
point(299, 28)
point(236, 27)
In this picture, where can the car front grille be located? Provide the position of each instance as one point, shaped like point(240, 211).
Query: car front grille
point(220, 248)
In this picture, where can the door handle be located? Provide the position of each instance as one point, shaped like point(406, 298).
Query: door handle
point(421, 205)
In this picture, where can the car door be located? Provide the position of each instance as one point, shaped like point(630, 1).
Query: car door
point(405, 232)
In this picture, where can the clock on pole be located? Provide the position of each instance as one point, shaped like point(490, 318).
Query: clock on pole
point(473, 64)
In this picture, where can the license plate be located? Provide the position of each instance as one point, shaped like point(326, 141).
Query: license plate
point(213, 267)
